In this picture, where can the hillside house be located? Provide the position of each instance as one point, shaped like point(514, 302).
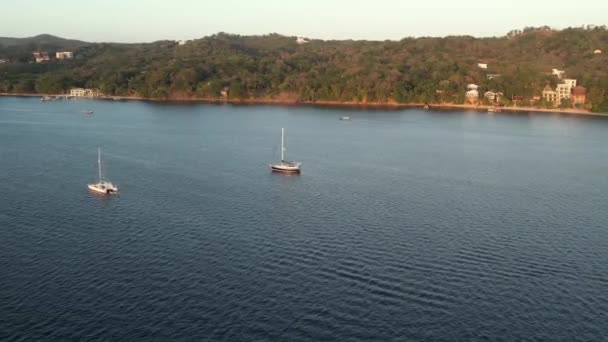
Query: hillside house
point(40, 56)
point(482, 65)
point(472, 96)
point(558, 73)
point(493, 96)
point(597, 52)
point(492, 76)
point(472, 86)
point(64, 55)
point(2, 61)
point(225, 92)
point(301, 40)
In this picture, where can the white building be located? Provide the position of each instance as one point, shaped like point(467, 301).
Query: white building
point(2, 61)
point(565, 89)
point(493, 96)
point(301, 40)
point(82, 92)
point(482, 65)
point(472, 95)
point(64, 55)
point(550, 95)
point(472, 86)
point(558, 73)
point(597, 52)
point(182, 42)
point(79, 92)
point(570, 82)
point(562, 92)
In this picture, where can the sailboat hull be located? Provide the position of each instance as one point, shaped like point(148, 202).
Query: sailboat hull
point(101, 189)
point(285, 168)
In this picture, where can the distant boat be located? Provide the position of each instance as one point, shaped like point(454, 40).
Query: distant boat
point(285, 165)
point(345, 118)
point(87, 111)
point(102, 186)
point(46, 98)
point(494, 109)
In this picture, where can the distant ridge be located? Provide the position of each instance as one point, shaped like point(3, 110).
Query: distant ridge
point(42, 41)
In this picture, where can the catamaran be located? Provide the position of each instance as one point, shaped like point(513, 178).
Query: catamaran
point(102, 186)
point(285, 165)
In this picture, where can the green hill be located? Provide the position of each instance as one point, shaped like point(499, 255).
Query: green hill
point(431, 70)
point(42, 41)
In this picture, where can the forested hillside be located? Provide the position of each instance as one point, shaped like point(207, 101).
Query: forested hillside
point(429, 70)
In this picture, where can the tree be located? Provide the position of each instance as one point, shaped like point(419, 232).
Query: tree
point(236, 90)
point(565, 103)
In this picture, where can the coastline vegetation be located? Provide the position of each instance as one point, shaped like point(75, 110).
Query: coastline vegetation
point(276, 68)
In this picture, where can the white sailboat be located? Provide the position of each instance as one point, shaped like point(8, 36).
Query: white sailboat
point(102, 186)
point(285, 165)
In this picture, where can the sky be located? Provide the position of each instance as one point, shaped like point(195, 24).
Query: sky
point(150, 20)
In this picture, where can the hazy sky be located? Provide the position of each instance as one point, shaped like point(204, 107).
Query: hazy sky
point(149, 20)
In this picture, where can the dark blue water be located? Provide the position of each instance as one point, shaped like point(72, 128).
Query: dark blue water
point(404, 225)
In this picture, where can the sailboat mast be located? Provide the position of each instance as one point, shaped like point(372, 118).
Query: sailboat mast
point(99, 162)
point(282, 144)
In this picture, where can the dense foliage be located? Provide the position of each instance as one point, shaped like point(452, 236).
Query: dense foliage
point(412, 70)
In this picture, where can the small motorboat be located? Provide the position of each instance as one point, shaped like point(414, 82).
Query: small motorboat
point(494, 109)
point(87, 111)
point(345, 118)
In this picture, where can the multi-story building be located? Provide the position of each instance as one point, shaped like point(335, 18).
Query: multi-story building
point(579, 96)
point(565, 89)
point(550, 95)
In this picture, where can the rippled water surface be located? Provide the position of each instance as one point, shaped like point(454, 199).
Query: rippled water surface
point(404, 225)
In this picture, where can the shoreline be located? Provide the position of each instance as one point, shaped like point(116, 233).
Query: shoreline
point(393, 105)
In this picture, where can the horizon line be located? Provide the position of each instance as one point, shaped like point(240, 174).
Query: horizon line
point(535, 28)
